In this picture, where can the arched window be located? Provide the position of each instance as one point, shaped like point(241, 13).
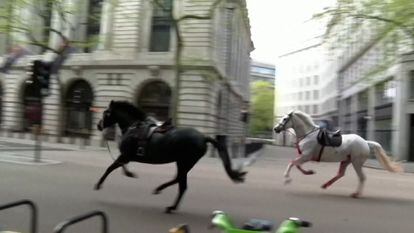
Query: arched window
point(32, 105)
point(79, 98)
point(155, 99)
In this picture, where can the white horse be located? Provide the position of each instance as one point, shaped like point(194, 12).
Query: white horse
point(353, 149)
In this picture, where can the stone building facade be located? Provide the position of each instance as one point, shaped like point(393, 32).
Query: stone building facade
point(134, 61)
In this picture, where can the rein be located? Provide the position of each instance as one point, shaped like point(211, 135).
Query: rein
point(109, 150)
point(298, 139)
point(304, 136)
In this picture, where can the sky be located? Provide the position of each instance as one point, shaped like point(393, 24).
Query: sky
point(277, 25)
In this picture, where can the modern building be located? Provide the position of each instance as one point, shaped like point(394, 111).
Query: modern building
point(260, 71)
point(135, 60)
point(375, 73)
point(298, 82)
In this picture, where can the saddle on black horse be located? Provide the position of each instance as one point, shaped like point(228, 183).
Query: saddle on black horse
point(142, 132)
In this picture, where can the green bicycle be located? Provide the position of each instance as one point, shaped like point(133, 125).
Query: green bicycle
point(223, 222)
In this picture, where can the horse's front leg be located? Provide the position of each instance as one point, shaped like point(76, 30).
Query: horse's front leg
point(120, 161)
point(296, 162)
point(287, 172)
point(128, 172)
point(305, 172)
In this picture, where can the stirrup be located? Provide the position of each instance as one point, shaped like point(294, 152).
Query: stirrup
point(140, 151)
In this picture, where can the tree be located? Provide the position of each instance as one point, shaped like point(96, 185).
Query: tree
point(34, 22)
point(177, 19)
point(261, 107)
point(386, 16)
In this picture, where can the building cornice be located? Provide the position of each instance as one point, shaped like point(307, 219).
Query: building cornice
point(300, 50)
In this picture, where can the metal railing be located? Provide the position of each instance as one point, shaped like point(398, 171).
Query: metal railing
point(63, 225)
point(33, 212)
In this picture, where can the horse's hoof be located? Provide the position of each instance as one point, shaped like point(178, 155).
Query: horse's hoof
point(156, 192)
point(355, 195)
point(130, 174)
point(97, 187)
point(170, 209)
point(288, 181)
point(325, 186)
point(310, 172)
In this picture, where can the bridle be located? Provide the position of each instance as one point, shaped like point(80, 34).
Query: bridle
point(286, 121)
point(293, 126)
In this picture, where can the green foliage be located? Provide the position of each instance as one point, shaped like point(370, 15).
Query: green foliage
point(30, 21)
point(385, 16)
point(261, 118)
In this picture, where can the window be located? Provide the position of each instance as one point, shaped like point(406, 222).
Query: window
point(363, 100)
point(316, 79)
point(161, 26)
point(315, 95)
point(263, 70)
point(411, 90)
point(154, 99)
point(32, 107)
point(307, 108)
point(93, 24)
point(385, 92)
point(315, 109)
point(79, 99)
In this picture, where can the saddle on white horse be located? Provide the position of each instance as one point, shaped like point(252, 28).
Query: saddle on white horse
point(329, 138)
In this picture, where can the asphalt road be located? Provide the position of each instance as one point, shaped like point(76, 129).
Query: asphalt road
point(66, 189)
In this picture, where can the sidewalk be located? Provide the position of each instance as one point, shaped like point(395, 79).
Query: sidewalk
point(54, 145)
point(24, 151)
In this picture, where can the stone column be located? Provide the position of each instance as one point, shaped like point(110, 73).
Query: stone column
point(371, 113)
point(400, 119)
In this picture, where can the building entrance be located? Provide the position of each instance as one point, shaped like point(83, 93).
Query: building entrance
point(411, 142)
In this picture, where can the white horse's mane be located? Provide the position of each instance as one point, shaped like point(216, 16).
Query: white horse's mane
point(304, 117)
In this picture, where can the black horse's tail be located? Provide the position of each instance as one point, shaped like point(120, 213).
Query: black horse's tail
point(219, 144)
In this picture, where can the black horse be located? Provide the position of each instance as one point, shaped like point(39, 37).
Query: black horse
point(185, 146)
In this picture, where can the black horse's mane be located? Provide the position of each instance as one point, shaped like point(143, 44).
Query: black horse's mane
point(130, 108)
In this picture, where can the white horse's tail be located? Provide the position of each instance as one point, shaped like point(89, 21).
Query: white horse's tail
point(382, 157)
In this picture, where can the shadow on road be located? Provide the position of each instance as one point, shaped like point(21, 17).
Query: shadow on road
point(368, 199)
point(149, 213)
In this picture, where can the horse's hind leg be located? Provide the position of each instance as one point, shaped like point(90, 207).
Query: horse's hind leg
point(357, 164)
point(182, 187)
point(165, 185)
point(183, 167)
point(120, 161)
point(128, 172)
point(341, 173)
